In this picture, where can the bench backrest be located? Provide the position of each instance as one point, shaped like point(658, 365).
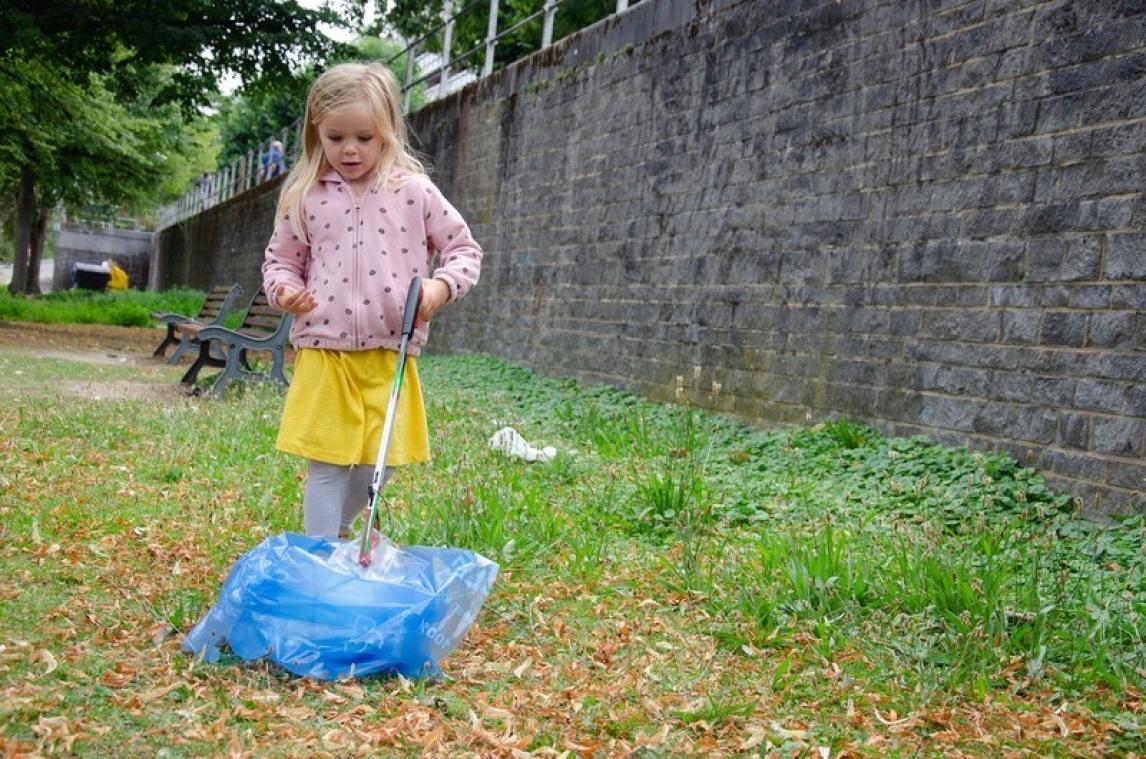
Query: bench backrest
point(261, 318)
point(218, 302)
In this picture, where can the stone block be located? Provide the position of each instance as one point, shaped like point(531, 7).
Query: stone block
point(1021, 326)
point(1077, 466)
point(1114, 329)
point(1129, 475)
point(1074, 431)
point(1125, 257)
point(1063, 328)
point(1033, 388)
point(1118, 436)
point(1096, 395)
point(1044, 259)
point(1083, 258)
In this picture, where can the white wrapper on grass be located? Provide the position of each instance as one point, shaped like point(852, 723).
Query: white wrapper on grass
point(508, 441)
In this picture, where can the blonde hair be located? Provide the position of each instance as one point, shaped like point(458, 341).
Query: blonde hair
point(340, 87)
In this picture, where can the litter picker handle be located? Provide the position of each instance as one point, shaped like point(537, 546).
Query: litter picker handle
point(413, 298)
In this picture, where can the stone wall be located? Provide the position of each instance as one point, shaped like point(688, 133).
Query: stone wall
point(221, 245)
point(925, 215)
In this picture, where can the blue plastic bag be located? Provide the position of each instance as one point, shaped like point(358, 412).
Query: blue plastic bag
point(300, 602)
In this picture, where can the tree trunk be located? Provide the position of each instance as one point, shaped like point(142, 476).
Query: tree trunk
point(39, 232)
point(25, 211)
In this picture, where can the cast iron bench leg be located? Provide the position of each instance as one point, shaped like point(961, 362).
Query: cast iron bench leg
point(193, 372)
point(168, 340)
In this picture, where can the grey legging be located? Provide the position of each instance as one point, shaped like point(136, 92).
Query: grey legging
point(334, 496)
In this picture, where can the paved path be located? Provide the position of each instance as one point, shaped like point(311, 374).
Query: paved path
point(47, 268)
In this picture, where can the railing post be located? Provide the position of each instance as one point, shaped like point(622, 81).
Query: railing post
point(490, 39)
point(283, 138)
point(547, 27)
point(406, 82)
point(622, 5)
point(444, 76)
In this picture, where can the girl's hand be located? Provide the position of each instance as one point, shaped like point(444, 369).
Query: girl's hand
point(298, 302)
point(435, 294)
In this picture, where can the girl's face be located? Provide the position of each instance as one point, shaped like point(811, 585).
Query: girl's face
point(351, 144)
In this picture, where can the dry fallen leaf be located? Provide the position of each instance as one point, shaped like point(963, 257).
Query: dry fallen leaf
point(796, 735)
point(46, 656)
point(522, 668)
point(756, 735)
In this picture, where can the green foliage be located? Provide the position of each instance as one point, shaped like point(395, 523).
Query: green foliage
point(250, 119)
point(128, 308)
point(85, 146)
point(124, 38)
point(95, 95)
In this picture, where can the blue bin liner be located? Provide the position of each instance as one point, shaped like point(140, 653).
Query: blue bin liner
point(288, 601)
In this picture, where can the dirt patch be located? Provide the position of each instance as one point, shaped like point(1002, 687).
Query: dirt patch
point(105, 345)
point(92, 357)
point(43, 339)
point(101, 344)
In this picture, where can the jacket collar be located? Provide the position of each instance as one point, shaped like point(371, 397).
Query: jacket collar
point(333, 176)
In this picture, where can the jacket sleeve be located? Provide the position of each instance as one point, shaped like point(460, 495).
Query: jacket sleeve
point(286, 260)
point(459, 256)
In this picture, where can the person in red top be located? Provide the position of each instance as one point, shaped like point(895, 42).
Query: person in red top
point(356, 220)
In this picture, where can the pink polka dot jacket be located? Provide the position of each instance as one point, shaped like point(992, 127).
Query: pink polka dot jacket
point(360, 256)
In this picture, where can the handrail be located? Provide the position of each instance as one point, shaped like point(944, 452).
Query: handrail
point(245, 172)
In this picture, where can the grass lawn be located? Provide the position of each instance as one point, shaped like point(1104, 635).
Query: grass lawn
point(674, 583)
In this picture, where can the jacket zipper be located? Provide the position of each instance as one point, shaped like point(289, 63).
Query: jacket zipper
point(357, 257)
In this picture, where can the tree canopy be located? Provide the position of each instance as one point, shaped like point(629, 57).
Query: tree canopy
point(254, 39)
point(96, 95)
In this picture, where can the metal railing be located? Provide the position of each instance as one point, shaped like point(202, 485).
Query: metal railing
point(245, 172)
point(239, 175)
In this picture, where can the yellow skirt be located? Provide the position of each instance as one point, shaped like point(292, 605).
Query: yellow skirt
point(336, 407)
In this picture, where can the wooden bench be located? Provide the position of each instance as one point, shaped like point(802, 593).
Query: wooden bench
point(264, 328)
point(184, 329)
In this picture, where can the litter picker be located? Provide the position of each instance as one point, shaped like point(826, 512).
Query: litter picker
point(413, 298)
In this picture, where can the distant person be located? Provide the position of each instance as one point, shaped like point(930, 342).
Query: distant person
point(273, 163)
point(203, 187)
point(357, 219)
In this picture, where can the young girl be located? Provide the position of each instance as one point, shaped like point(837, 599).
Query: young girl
point(356, 220)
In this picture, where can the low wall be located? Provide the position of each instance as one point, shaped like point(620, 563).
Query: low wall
point(130, 249)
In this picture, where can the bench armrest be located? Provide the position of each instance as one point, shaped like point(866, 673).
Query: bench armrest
point(247, 341)
point(170, 318)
